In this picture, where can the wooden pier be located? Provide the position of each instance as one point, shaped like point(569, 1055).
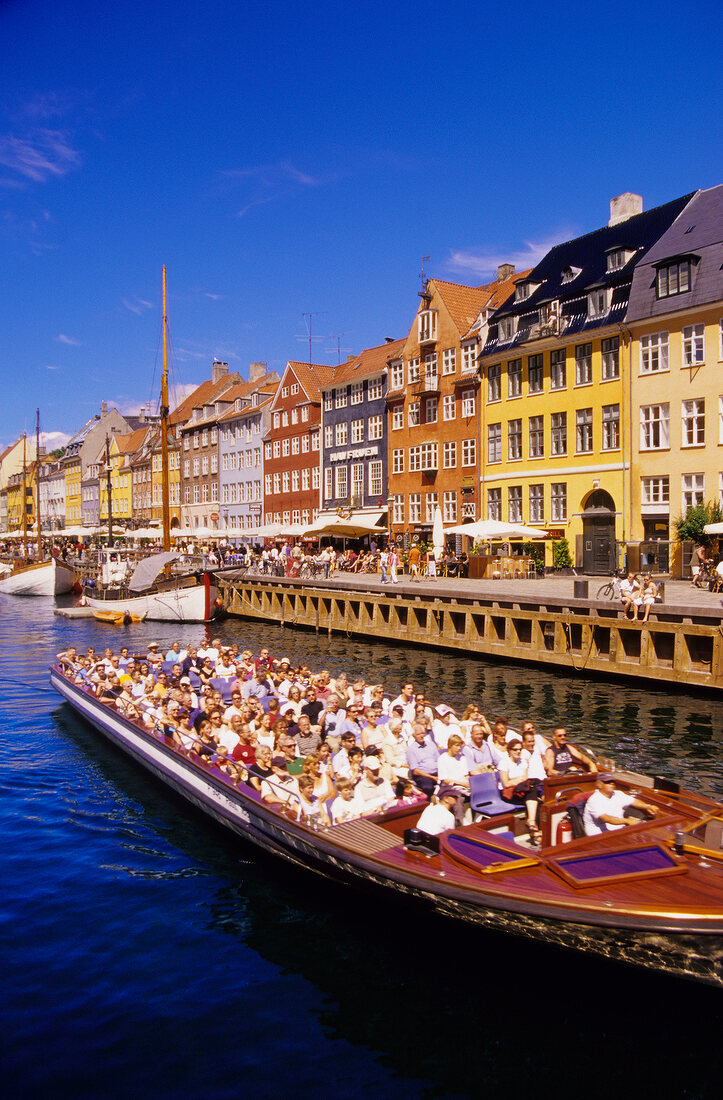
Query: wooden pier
point(679, 646)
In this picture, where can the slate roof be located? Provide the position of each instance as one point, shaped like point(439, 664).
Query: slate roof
point(588, 254)
point(697, 231)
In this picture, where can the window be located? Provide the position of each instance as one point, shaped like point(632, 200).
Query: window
point(610, 427)
point(449, 513)
point(375, 478)
point(277, 448)
point(449, 407)
point(654, 427)
point(720, 419)
point(427, 329)
point(204, 437)
point(413, 371)
point(693, 490)
point(494, 443)
point(267, 450)
point(494, 389)
point(597, 302)
point(187, 466)
point(328, 483)
point(214, 463)
point(328, 436)
point(616, 259)
point(304, 413)
point(537, 436)
point(340, 435)
point(654, 352)
point(294, 481)
point(196, 440)
point(294, 417)
point(197, 494)
point(186, 445)
point(430, 411)
point(357, 431)
point(414, 414)
point(514, 440)
point(431, 378)
point(285, 482)
point(610, 358)
point(340, 398)
point(537, 503)
point(196, 467)
point(285, 419)
point(398, 461)
point(357, 481)
point(450, 455)
point(494, 504)
point(558, 373)
point(583, 431)
point(534, 373)
point(398, 508)
point(431, 503)
point(284, 391)
point(277, 483)
point(295, 448)
point(305, 444)
point(286, 447)
point(655, 490)
point(693, 423)
point(469, 358)
point(374, 389)
point(315, 440)
point(469, 452)
point(558, 501)
point(468, 403)
point(514, 378)
point(514, 504)
point(397, 417)
point(583, 364)
point(305, 477)
point(415, 507)
point(340, 474)
point(357, 393)
point(396, 376)
point(558, 433)
point(506, 329)
point(428, 456)
point(673, 279)
point(294, 389)
point(449, 360)
point(375, 427)
point(693, 345)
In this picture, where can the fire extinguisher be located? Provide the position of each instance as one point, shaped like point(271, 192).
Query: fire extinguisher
point(564, 830)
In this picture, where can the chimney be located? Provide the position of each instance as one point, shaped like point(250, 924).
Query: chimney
point(142, 414)
point(104, 408)
point(218, 370)
point(625, 206)
point(505, 272)
point(256, 371)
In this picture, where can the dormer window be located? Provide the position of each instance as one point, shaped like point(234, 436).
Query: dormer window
point(524, 290)
point(506, 328)
point(570, 273)
point(427, 326)
point(598, 302)
point(673, 278)
point(618, 257)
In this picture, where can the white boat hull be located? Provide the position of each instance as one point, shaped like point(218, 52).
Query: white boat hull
point(193, 604)
point(48, 578)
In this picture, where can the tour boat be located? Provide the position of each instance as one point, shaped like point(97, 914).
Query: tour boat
point(176, 597)
point(649, 894)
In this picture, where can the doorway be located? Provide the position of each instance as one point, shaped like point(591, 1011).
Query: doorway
point(598, 534)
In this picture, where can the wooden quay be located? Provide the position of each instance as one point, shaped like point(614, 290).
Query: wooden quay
point(537, 621)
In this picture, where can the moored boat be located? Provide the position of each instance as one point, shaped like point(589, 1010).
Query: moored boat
point(649, 894)
point(45, 578)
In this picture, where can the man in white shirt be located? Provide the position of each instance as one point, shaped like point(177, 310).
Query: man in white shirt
point(406, 701)
point(606, 807)
point(438, 816)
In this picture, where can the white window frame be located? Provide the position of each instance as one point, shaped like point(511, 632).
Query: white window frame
point(693, 345)
point(655, 427)
point(654, 353)
point(693, 422)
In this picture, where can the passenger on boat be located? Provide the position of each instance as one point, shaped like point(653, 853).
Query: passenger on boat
point(423, 760)
point(280, 789)
point(497, 740)
point(332, 720)
point(293, 761)
point(518, 788)
point(606, 807)
point(306, 736)
point(561, 757)
point(532, 757)
point(68, 659)
point(175, 653)
point(312, 810)
point(322, 784)
point(445, 725)
point(246, 749)
point(438, 816)
point(154, 657)
point(477, 753)
point(373, 791)
point(340, 761)
point(406, 700)
point(394, 747)
point(261, 769)
point(346, 806)
point(191, 660)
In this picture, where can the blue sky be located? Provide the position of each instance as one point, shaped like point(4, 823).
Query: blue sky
point(287, 158)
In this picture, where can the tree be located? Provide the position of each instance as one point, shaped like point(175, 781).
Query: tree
point(561, 554)
point(690, 526)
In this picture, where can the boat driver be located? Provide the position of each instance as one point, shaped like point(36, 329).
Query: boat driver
point(607, 807)
point(562, 757)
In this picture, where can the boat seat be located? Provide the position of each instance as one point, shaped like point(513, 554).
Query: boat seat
point(575, 809)
point(195, 679)
point(485, 797)
point(220, 683)
point(167, 667)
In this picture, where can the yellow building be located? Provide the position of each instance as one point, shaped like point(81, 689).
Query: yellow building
point(555, 435)
point(675, 320)
point(122, 448)
point(73, 495)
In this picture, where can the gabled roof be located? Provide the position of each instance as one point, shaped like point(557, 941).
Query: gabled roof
point(463, 303)
point(128, 444)
point(367, 364)
point(310, 376)
point(205, 394)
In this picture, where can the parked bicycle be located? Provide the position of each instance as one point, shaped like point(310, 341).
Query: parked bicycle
point(611, 589)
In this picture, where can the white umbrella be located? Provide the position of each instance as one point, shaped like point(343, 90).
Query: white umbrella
point(345, 528)
point(438, 533)
point(713, 528)
point(495, 530)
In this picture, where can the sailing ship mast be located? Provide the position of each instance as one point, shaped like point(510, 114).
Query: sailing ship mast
point(25, 499)
point(165, 487)
point(37, 482)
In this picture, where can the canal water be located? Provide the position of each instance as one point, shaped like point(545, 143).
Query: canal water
point(146, 953)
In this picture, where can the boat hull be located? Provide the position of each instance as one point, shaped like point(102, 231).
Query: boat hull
point(192, 604)
point(664, 944)
point(48, 578)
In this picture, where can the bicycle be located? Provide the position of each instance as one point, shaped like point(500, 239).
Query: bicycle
point(611, 589)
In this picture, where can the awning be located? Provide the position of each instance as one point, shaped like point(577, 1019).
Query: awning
point(148, 569)
point(495, 530)
point(351, 526)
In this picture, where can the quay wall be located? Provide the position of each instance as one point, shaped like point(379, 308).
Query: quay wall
point(576, 636)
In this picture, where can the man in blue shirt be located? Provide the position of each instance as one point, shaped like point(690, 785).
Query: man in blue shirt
point(423, 760)
point(477, 753)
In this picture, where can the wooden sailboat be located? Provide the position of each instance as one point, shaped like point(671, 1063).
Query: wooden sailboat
point(152, 592)
point(36, 578)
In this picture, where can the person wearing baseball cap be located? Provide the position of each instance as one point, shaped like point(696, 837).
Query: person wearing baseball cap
point(607, 807)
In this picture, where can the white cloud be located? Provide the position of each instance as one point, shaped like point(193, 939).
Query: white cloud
point(268, 182)
point(179, 392)
point(51, 366)
point(137, 305)
point(63, 339)
point(38, 155)
point(52, 440)
point(486, 262)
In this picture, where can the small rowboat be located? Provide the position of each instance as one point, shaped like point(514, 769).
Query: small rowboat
point(118, 618)
point(650, 894)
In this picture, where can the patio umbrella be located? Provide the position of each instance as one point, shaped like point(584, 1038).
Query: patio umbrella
point(490, 530)
point(438, 533)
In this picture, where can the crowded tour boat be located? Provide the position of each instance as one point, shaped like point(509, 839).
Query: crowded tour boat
point(501, 824)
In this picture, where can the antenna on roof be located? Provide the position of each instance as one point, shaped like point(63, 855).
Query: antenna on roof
point(339, 349)
point(425, 260)
point(307, 321)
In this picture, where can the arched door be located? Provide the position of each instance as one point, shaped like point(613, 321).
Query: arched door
point(598, 533)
